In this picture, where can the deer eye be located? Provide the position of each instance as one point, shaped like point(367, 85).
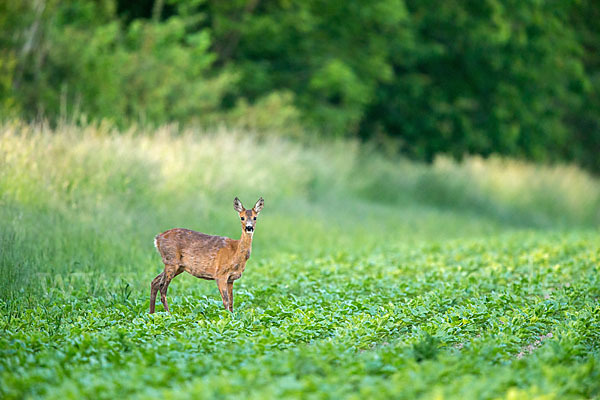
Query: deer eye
point(255, 218)
point(242, 218)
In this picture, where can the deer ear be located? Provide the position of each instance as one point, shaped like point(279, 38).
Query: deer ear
point(237, 205)
point(259, 205)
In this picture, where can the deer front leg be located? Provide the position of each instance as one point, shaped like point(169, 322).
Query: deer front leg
point(222, 284)
point(230, 294)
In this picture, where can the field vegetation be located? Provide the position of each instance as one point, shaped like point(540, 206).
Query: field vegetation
point(371, 276)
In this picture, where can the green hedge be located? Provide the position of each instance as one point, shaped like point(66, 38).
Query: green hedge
point(519, 78)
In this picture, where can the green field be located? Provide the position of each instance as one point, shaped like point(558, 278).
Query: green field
point(370, 277)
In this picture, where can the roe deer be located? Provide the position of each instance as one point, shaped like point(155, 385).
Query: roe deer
point(205, 256)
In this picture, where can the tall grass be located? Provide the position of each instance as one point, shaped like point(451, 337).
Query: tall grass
point(85, 202)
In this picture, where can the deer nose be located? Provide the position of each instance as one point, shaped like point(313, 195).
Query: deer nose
point(249, 228)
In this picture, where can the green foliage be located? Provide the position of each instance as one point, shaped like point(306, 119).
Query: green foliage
point(419, 294)
point(144, 72)
point(585, 118)
point(518, 78)
point(483, 77)
point(456, 78)
point(319, 50)
point(273, 114)
point(8, 104)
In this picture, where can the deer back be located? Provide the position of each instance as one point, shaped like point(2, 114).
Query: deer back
point(196, 252)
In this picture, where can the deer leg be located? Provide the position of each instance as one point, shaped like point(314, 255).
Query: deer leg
point(222, 284)
point(230, 295)
point(171, 272)
point(154, 286)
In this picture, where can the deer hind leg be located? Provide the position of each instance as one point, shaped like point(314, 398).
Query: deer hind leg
point(171, 271)
point(154, 287)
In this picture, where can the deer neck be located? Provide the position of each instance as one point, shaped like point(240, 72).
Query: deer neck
point(245, 244)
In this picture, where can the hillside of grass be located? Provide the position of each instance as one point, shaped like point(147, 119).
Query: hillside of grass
point(370, 277)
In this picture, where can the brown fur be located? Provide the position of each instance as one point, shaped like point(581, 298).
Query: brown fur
point(205, 256)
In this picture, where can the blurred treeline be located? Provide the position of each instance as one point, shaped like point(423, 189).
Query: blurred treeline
point(420, 77)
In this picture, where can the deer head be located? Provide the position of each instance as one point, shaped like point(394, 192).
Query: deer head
point(248, 217)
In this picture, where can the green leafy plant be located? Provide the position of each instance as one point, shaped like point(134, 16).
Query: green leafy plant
point(415, 295)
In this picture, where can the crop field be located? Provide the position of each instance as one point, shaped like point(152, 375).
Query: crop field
point(370, 276)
